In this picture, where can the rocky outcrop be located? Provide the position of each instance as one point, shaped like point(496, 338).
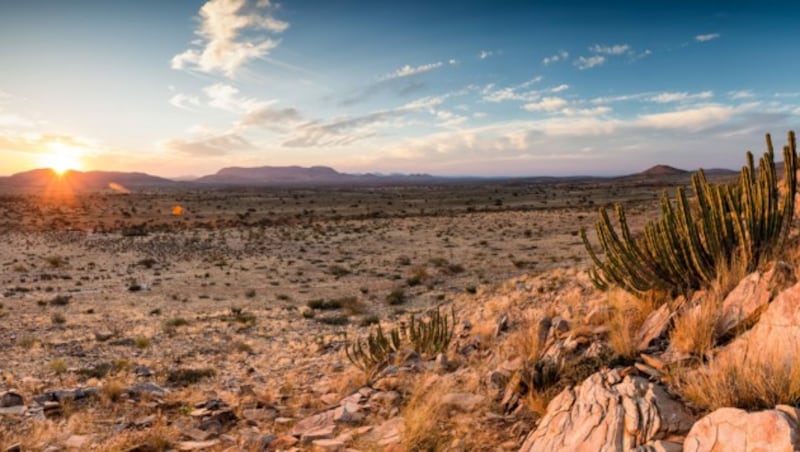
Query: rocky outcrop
point(608, 412)
point(778, 326)
point(752, 295)
point(727, 429)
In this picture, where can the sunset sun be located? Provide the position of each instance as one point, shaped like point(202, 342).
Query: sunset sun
point(62, 158)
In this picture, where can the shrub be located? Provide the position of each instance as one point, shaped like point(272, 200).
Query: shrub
point(185, 377)
point(428, 337)
point(396, 297)
point(682, 250)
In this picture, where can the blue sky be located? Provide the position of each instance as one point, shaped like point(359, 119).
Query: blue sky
point(453, 88)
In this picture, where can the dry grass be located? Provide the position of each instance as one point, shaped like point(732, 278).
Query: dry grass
point(157, 438)
point(696, 330)
point(626, 315)
point(424, 416)
point(754, 384)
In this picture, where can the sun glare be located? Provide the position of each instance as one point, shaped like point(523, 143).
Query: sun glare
point(62, 158)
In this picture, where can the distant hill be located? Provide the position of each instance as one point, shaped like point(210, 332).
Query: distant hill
point(81, 181)
point(662, 171)
point(298, 175)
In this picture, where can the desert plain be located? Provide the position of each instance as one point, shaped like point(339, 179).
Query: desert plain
point(169, 306)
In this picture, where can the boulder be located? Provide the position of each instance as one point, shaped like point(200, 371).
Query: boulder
point(654, 326)
point(11, 399)
point(778, 327)
point(608, 412)
point(726, 429)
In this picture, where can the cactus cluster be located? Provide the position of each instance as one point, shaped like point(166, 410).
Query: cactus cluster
point(426, 337)
point(685, 248)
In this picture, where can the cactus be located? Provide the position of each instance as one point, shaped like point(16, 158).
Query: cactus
point(683, 251)
point(427, 338)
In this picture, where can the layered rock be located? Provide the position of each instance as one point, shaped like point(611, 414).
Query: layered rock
point(727, 429)
point(608, 412)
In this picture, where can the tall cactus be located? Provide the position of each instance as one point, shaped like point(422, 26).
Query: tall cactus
point(682, 250)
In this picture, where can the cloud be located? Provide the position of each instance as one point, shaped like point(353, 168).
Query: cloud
point(692, 119)
point(484, 54)
point(225, 40)
point(593, 111)
point(548, 104)
point(519, 92)
point(210, 145)
point(408, 71)
point(185, 102)
point(559, 88)
point(561, 55)
point(668, 97)
point(741, 94)
point(707, 37)
point(255, 113)
point(589, 62)
point(617, 49)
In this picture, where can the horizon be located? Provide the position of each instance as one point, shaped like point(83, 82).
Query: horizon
point(475, 91)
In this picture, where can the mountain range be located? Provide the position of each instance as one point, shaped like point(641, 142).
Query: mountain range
point(261, 176)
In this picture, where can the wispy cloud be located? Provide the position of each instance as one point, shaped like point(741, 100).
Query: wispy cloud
point(484, 54)
point(521, 92)
point(706, 37)
point(408, 70)
point(559, 88)
point(617, 49)
point(185, 102)
point(254, 112)
point(209, 145)
point(589, 62)
point(561, 55)
point(548, 104)
point(668, 97)
point(741, 94)
point(692, 118)
point(225, 44)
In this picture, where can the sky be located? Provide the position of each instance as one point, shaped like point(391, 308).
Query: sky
point(482, 88)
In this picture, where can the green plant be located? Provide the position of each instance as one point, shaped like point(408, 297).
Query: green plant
point(683, 250)
point(428, 337)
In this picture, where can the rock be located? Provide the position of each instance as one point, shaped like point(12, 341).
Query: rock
point(143, 371)
point(196, 445)
point(197, 434)
point(77, 442)
point(283, 442)
point(746, 301)
point(654, 326)
point(660, 446)
point(319, 422)
point(61, 395)
point(389, 433)
point(325, 432)
point(462, 401)
point(103, 336)
point(327, 445)
point(608, 412)
point(16, 447)
point(501, 325)
point(777, 329)
point(9, 399)
point(775, 430)
point(147, 388)
point(13, 410)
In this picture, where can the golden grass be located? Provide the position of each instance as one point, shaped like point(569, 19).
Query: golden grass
point(771, 379)
point(627, 313)
point(424, 415)
point(696, 330)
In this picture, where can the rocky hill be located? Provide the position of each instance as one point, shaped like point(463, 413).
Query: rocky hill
point(42, 179)
point(297, 175)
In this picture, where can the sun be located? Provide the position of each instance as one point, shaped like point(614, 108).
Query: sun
point(62, 157)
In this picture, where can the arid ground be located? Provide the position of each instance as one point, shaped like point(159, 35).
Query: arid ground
point(250, 292)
